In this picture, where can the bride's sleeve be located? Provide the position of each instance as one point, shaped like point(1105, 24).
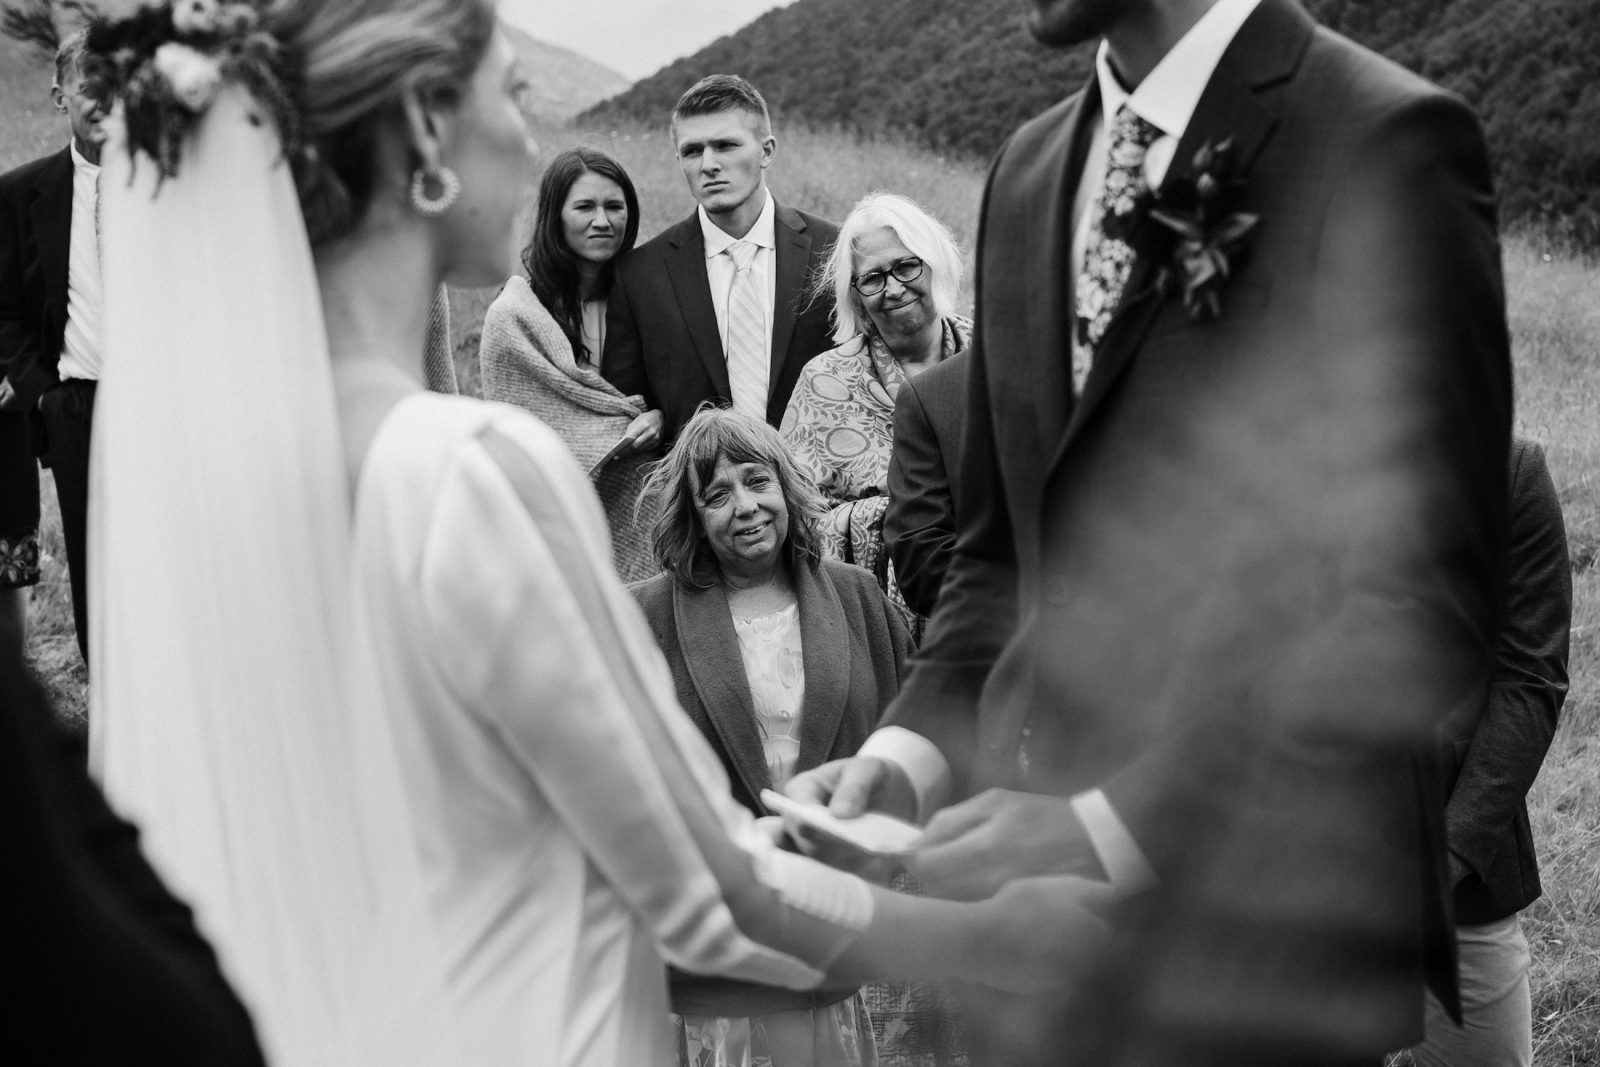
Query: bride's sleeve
point(550, 651)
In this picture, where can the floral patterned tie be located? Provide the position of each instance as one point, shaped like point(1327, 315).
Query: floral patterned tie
point(1107, 256)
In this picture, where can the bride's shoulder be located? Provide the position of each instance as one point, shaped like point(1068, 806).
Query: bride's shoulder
point(430, 437)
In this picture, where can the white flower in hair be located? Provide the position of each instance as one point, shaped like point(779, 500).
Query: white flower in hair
point(194, 76)
point(195, 16)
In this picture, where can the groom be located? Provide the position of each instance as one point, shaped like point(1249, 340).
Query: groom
point(1233, 500)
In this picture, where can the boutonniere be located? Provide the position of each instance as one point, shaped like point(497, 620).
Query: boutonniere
point(1209, 240)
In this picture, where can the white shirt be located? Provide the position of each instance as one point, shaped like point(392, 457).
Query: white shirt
point(720, 268)
point(81, 344)
point(1167, 99)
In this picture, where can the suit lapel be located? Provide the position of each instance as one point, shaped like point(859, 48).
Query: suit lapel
point(1266, 50)
point(52, 227)
point(825, 651)
point(793, 254)
point(1050, 280)
point(711, 652)
point(686, 270)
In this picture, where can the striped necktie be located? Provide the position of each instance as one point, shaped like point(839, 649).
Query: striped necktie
point(747, 335)
point(1107, 256)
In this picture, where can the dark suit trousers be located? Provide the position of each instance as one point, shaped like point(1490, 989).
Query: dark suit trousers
point(68, 412)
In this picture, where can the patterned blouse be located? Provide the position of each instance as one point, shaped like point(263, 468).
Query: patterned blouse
point(840, 428)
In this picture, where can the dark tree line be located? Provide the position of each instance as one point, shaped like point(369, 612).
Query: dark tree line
point(959, 76)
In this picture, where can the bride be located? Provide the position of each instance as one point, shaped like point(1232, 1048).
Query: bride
point(369, 681)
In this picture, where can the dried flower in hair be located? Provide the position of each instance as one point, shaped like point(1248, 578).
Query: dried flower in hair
point(195, 16)
point(192, 76)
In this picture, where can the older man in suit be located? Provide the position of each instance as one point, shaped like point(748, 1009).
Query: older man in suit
point(920, 522)
point(50, 305)
point(719, 307)
point(1232, 545)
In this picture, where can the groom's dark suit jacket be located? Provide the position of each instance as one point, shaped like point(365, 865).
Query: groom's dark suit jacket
point(35, 234)
point(662, 339)
point(1241, 582)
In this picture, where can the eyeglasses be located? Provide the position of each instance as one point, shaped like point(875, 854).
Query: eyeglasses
point(873, 282)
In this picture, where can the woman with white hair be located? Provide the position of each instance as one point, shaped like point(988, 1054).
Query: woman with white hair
point(895, 275)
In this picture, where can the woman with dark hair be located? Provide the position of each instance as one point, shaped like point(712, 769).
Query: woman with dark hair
point(784, 660)
point(371, 648)
point(543, 335)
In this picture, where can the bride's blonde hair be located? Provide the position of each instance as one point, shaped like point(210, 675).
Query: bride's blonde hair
point(351, 63)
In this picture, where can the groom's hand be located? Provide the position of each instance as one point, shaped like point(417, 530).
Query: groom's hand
point(973, 848)
point(1040, 934)
point(857, 784)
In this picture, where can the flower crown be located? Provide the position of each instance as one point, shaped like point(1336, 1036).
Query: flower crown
point(164, 64)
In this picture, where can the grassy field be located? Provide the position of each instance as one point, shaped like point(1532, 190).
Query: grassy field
point(1555, 317)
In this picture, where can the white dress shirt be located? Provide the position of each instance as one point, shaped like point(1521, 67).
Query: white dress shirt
point(720, 269)
point(82, 351)
point(1167, 99)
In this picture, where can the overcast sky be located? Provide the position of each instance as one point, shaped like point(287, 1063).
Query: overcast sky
point(633, 37)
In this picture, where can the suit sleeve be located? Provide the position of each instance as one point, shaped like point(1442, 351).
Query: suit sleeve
point(1388, 625)
point(977, 608)
point(920, 523)
point(623, 361)
point(1530, 672)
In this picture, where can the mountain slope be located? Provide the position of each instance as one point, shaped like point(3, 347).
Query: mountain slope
point(564, 83)
point(960, 76)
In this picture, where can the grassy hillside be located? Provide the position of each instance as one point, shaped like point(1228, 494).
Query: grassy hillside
point(958, 76)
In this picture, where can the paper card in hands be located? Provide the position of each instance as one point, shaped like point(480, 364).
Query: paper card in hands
point(871, 832)
point(621, 447)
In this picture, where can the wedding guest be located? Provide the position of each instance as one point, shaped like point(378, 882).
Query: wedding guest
point(1493, 757)
point(1232, 539)
point(544, 335)
point(895, 276)
point(783, 659)
point(105, 964)
point(716, 307)
point(51, 315)
point(471, 825)
point(920, 523)
point(19, 519)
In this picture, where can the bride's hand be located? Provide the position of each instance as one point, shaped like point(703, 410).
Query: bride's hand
point(1042, 933)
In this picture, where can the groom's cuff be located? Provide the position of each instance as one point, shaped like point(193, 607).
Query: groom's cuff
point(921, 761)
point(1124, 861)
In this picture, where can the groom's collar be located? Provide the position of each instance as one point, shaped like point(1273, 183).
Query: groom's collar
point(1169, 94)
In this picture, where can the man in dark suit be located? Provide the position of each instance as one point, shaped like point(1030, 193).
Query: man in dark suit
point(920, 522)
point(719, 307)
point(1232, 545)
point(1492, 760)
point(50, 306)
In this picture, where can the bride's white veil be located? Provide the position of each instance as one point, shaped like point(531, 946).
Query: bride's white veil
point(232, 716)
